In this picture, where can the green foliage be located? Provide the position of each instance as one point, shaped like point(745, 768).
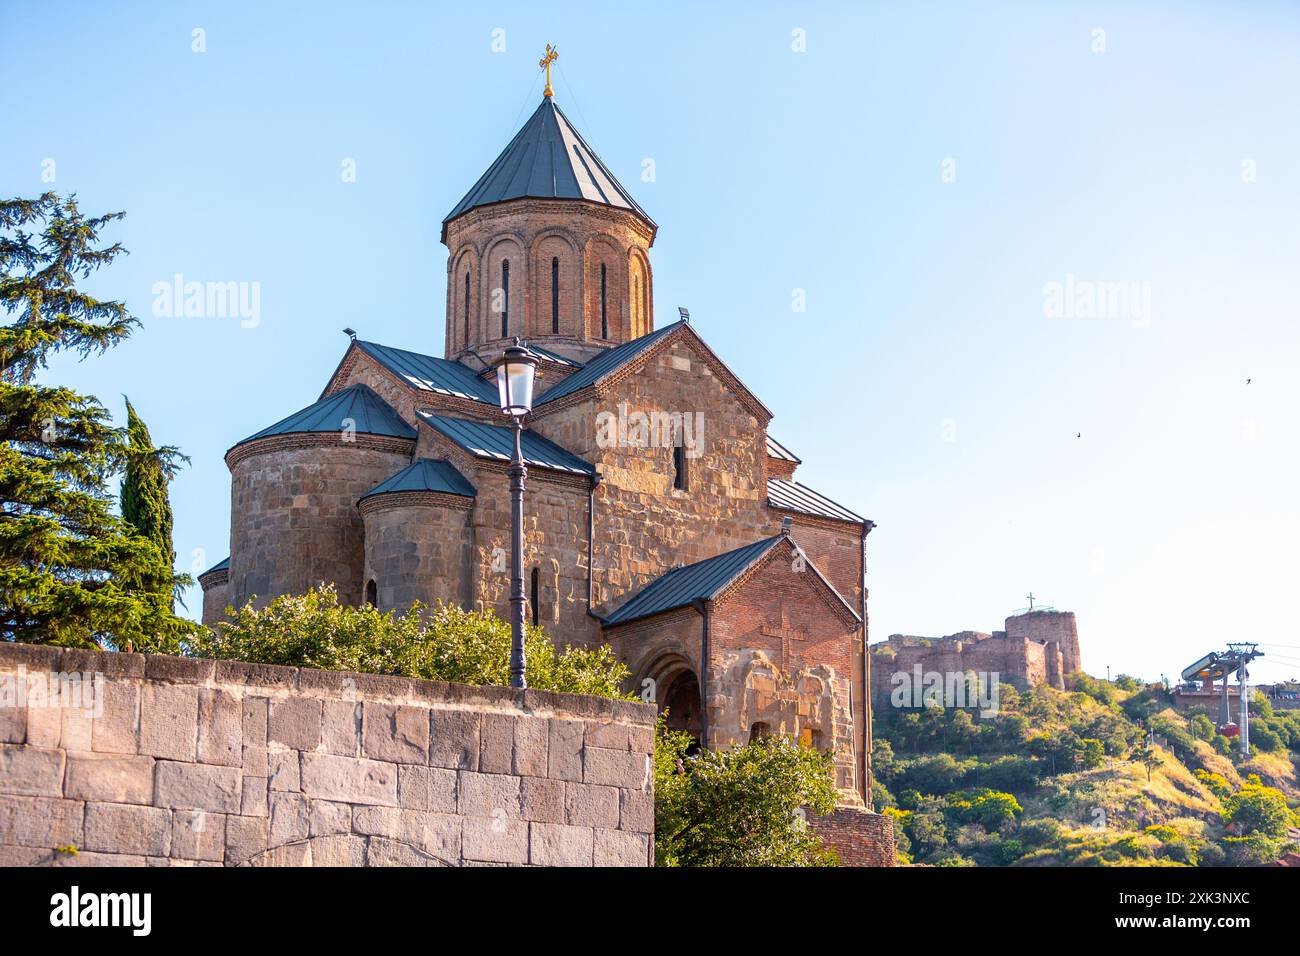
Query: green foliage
point(1147, 756)
point(744, 806)
point(440, 643)
point(144, 501)
point(1257, 809)
point(72, 573)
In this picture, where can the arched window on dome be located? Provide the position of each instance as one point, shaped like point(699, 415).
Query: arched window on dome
point(535, 596)
point(604, 304)
point(466, 309)
point(372, 593)
point(555, 295)
point(505, 297)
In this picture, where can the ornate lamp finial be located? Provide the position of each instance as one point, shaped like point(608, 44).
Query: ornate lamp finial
point(545, 62)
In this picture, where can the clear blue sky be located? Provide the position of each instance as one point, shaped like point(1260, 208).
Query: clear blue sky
point(924, 386)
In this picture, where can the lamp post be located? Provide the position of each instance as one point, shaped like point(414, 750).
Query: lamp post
point(515, 371)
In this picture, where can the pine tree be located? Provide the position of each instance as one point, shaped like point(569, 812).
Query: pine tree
point(71, 572)
point(144, 502)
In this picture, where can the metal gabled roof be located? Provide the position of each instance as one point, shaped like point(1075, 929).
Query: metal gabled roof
point(547, 159)
point(776, 450)
point(695, 582)
point(552, 356)
point(497, 442)
point(430, 374)
point(425, 474)
point(222, 565)
point(793, 496)
point(356, 408)
point(606, 363)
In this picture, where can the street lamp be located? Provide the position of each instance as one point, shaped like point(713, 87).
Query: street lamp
point(515, 371)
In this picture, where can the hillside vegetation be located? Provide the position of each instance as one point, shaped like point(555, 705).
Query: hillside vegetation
point(1107, 774)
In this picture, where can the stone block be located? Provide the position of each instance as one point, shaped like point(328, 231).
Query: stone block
point(541, 799)
point(531, 746)
point(254, 801)
point(13, 717)
point(193, 786)
point(169, 721)
point(342, 727)
point(221, 731)
point(338, 850)
point(489, 795)
point(295, 722)
point(245, 838)
point(349, 779)
point(118, 828)
point(497, 743)
point(556, 844)
point(611, 736)
point(620, 848)
point(326, 817)
point(396, 733)
point(454, 739)
point(255, 721)
point(636, 811)
point(198, 836)
point(494, 840)
point(117, 728)
point(109, 778)
point(286, 773)
point(615, 768)
point(31, 771)
point(41, 822)
point(591, 806)
point(290, 818)
point(564, 754)
point(384, 852)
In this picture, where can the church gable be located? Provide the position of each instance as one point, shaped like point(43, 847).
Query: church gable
point(411, 381)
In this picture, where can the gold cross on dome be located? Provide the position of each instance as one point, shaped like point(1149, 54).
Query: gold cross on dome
point(552, 54)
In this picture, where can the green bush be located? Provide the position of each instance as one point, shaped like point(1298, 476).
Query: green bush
point(440, 643)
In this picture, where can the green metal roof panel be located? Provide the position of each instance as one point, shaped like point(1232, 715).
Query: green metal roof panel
point(606, 363)
point(222, 565)
point(497, 443)
point(548, 159)
point(793, 496)
point(700, 581)
point(356, 407)
point(552, 356)
point(426, 474)
point(432, 374)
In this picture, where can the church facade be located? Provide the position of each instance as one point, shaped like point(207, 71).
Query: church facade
point(660, 516)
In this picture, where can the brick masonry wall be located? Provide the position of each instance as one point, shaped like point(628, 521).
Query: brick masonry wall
point(859, 837)
point(202, 763)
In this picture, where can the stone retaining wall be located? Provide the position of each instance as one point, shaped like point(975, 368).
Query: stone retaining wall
point(859, 837)
point(182, 762)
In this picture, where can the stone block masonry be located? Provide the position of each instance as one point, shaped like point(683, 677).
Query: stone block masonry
point(203, 763)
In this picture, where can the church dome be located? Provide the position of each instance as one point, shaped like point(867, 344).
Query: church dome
point(547, 246)
point(548, 159)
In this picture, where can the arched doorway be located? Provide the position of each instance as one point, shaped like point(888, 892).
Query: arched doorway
point(681, 698)
point(676, 691)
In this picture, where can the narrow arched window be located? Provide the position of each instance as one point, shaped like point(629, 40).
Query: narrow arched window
point(466, 307)
point(505, 297)
point(555, 295)
point(535, 595)
point(679, 466)
point(604, 301)
point(636, 307)
point(372, 593)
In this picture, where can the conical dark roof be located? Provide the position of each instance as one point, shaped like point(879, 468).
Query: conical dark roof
point(367, 413)
point(548, 159)
point(425, 474)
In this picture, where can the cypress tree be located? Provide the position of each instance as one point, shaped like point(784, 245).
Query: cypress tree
point(143, 498)
point(71, 571)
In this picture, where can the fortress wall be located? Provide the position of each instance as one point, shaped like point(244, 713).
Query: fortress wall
point(202, 763)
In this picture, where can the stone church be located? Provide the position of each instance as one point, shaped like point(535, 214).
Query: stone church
point(661, 516)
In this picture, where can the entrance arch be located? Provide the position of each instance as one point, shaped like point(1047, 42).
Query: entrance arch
point(677, 691)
